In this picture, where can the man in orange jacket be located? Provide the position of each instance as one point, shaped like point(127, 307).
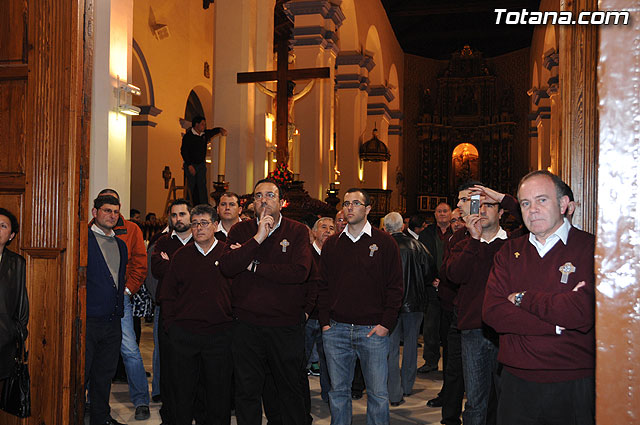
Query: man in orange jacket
point(136, 273)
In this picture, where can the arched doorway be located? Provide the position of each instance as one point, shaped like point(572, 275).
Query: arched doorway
point(193, 107)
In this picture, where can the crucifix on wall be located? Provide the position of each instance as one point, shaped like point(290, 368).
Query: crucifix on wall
point(282, 76)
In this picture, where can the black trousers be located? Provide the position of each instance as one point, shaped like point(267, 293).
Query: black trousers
point(453, 386)
point(167, 411)
point(259, 350)
point(102, 347)
point(206, 357)
point(431, 333)
point(556, 403)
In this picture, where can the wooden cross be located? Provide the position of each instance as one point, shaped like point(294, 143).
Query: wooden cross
point(282, 75)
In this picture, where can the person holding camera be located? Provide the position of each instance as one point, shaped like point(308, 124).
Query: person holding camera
point(468, 265)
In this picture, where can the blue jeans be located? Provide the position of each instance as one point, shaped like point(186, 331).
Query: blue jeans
point(342, 344)
point(313, 334)
point(407, 329)
point(136, 375)
point(155, 382)
point(479, 364)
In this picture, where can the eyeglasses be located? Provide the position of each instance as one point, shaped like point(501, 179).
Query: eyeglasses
point(269, 195)
point(355, 204)
point(204, 224)
point(110, 211)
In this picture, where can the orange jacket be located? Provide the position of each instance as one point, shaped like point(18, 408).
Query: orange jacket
point(131, 234)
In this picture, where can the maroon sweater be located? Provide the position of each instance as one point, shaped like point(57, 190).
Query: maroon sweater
point(359, 288)
point(275, 295)
point(195, 295)
point(447, 289)
point(529, 345)
point(468, 264)
point(312, 291)
point(160, 266)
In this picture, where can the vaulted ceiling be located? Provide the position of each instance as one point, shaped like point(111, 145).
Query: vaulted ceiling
point(436, 28)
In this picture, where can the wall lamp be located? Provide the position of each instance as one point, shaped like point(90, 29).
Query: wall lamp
point(123, 90)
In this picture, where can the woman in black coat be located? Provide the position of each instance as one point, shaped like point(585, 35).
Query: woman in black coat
point(14, 304)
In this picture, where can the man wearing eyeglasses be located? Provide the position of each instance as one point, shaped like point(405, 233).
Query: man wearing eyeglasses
point(106, 266)
point(360, 294)
point(468, 264)
point(269, 259)
point(196, 314)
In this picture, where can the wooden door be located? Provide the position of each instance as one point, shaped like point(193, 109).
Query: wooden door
point(44, 128)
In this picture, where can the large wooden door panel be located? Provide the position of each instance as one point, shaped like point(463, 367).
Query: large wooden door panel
point(43, 139)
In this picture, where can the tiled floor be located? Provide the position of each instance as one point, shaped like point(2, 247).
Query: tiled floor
point(414, 411)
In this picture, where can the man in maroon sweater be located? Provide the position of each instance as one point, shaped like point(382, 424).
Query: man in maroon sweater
point(468, 264)
point(360, 294)
point(540, 298)
point(196, 312)
point(229, 211)
point(269, 260)
point(163, 250)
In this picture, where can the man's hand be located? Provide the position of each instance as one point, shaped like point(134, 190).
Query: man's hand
point(164, 256)
point(266, 224)
point(435, 283)
point(473, 225)
point(512, 297)
point(306, 317)
point(325, 328)
point(579, 285)
point(490, 195)
point(192, 170)
point(379, 330)
point(235, 246)
point(223, 132)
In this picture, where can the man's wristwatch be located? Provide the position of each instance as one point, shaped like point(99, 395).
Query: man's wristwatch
point(518, 298)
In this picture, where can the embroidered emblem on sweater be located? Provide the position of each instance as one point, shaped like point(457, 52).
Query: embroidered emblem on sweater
point(372, 249)
point(516, 254)
point(284, 243)
point(566, 269)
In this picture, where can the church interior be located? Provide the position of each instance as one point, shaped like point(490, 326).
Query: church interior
point(404, 98)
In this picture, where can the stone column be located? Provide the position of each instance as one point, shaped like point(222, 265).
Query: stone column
point(352, 82)
point(110, 129)
point(316, 23)
point(243, 42)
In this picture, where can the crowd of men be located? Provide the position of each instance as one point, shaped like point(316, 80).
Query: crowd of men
point(241, 304)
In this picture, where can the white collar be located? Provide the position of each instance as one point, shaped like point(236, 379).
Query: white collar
point(366, 229)
point(99, 231)
point(500, 234)
point(185, 240)
point(195, 132)
point(561, 234)
point(274, 228)
point(318, 249)
point(412, 233)
point(221, 228)
point(213, 245)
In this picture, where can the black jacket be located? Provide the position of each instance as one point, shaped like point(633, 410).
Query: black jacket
point(105, 300)
point(14, 308)
point(418, 271)
point(194, 148)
